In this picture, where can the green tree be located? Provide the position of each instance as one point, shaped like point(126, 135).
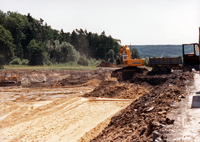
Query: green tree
point(83, 61)
point(80, 42)
point(62, 53)
point(24, 29)
point(99, 45)
point(2, 17)
point(6, 45)
point(53, 49)
point(36, 53)
point(16, 24)
point(111, 55)
point(135, 53)
point(68, 53)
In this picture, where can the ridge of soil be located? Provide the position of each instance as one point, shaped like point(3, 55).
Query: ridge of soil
point(52, 78)
point(144, 118)
point(114, 89)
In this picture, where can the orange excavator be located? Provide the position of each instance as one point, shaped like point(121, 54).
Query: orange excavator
point(126, 60)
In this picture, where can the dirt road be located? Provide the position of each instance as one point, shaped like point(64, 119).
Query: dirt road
point(187, 117)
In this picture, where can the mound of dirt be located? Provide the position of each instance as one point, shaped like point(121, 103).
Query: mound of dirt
point(114, 89)
point(144, 118)
point(126, 74)
point(77, 78)
point(107, 64)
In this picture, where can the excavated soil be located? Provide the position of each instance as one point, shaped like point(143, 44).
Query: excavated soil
point(114, 89)
point(144, 118)
point(48, 105)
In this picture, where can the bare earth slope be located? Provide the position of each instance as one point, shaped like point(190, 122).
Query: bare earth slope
point(144, 118)
point(187, 119)
point(56, 120)
point(51, 108)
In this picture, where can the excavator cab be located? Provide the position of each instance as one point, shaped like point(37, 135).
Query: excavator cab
point(126, 60)
point(120, 60)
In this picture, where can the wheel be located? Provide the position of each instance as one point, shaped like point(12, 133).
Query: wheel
point(156, 70)
point(169, 69)
point(164, 70)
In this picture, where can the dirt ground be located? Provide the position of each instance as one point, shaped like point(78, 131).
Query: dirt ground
point(187, 116)
point(101, 105)
point(147, 115)
point(48, 106)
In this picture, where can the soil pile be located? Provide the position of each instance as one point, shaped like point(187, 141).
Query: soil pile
point(107, 64)
point(77, 78)
point(114, 89)
point(126, 74)
point(144, 118)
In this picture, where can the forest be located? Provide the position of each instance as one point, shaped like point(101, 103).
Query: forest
point(29, 41)
point(25, 40)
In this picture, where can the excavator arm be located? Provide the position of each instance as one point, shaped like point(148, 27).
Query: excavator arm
point(129, 62)
point(126, 50)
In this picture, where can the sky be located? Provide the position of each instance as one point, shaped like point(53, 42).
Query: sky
point(136, 22)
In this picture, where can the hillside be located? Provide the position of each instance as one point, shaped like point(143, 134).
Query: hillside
point(160, 50)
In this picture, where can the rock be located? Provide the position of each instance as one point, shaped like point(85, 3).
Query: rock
point(149, 109)
point(159, 139)
point(169, 121)
point(156, 135)
point(162, 112)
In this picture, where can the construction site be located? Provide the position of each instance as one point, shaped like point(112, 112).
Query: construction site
point(129, 101)
point(101, 105)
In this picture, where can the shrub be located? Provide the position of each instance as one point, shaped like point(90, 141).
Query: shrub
point(71, 63)
point(83, 61)
point(16, 61)
point(25, 62)
point(111, 55)
point(48, 63)
point(94, 62)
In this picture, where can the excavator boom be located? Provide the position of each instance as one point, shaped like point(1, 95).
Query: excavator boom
point(128, 62)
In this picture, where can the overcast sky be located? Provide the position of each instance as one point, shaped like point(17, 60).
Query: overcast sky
point(132, 21)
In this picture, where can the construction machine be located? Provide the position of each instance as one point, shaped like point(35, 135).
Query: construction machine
point(8, 78)
point(130, 66)
point(192, 59)
point(126, 60)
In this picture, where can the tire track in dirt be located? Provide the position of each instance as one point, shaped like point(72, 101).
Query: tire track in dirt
point(57, 120)
point(25, 112)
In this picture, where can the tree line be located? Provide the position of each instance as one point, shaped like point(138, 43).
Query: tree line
point(31, 41)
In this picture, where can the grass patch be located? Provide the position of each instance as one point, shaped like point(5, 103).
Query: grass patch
point(51, 67)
